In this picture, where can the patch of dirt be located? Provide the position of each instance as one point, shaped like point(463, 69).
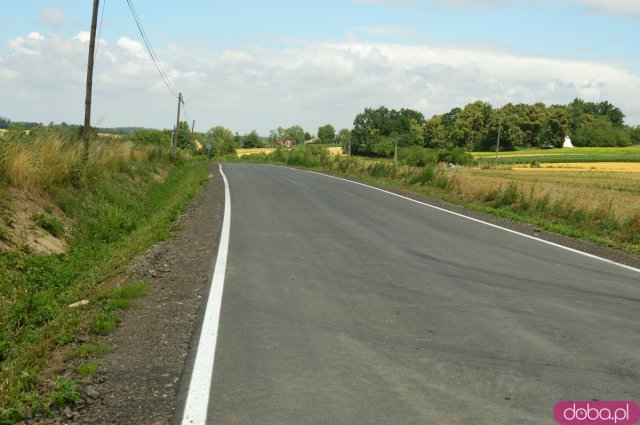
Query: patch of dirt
point(137, 383)
point(18, 228)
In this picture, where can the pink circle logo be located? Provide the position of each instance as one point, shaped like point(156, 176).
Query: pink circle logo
point(596, 413)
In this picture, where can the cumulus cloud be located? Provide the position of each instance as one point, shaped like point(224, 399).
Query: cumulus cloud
point(310, 85)
point(51, 16)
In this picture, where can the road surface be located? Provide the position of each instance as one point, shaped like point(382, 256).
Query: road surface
point(343, 304)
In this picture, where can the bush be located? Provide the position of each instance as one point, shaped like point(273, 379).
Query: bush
point(456, 156)
point(417, 156)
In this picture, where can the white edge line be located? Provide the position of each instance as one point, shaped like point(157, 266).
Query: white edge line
point(566, 248)
point(196, 406)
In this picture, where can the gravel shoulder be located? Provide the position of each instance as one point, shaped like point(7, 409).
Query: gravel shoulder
point(138, 383)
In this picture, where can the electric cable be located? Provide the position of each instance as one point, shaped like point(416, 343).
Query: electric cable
point(150, 50)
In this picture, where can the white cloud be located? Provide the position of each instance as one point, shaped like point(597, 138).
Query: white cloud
point(51, 16)
point(624, 7)
point(310, 84)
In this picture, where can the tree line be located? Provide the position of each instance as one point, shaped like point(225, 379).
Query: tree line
point(475, 127)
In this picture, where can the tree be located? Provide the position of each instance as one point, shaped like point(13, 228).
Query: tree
point(276, 135)
point(251, 140)
point(532, 121)
point(148, 137)
point(221, 140)
point(327, 134)
point(4, 122)
point(344, 137)
point(470, 126)
point(184, 135)
point(557, 126)
point(435, 135)
point(507, 121)
point(598, 130)
point(375, 129)
point(295, 134)
point(635, 135)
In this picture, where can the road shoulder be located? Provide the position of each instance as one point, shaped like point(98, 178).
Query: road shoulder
point(138, 383)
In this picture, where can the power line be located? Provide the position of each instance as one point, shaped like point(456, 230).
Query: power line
point(186, 111)
point(104, 3)
point(151, 52)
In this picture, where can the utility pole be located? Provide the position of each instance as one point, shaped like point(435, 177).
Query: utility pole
point(174, 142)
point(395, 153)
point(498, 140)
point(87, 101)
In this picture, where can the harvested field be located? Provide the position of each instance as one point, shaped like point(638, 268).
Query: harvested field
point(243, 152)
point(630, 167)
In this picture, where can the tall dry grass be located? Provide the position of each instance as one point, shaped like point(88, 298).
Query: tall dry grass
point(48, 159)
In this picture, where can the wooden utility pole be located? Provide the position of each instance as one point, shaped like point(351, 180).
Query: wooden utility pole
point(498, 140)
point(174, 142)
point(87, 100)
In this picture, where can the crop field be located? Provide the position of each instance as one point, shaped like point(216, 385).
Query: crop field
point(629, 167)
point(630, 154)
point(331, 149)
point(601, 191)
point(243, 152)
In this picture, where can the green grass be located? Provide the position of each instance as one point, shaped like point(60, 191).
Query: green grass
point(65, 392)
point(97, 348)
point(117, 210)
point(629, 154)
point(88, 368)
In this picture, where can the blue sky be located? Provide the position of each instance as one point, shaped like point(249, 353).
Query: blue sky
point(258, 65)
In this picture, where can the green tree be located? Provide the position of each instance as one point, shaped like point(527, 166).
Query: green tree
point(435, 134)
point(598, 130)
point(508, 121)
point(635, 135)
point(374, 130)
point(276, 135)
point(151, 137)
point(251, 140)
point(471, 125)
point(557, 126)
point(221, 140)
point(533, 120)
point(184, 135)
point(295, 134)
point(327, 134)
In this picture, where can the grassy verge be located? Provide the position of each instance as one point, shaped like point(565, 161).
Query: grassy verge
point(121, 202)
point(561, 206)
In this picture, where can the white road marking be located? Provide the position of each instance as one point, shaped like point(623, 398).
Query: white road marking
point(586, 254)
point(196, 406)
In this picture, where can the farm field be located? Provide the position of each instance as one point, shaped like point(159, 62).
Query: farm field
point(331, 149)
point(628, 154)
point(607, 191)
point(243, 152)
point(629, 167)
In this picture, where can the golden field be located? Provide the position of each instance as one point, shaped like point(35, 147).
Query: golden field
point(608, 188)
point(629, 167)
point(242, 152)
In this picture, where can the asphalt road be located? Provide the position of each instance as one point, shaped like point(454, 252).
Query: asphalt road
point(346, 305)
